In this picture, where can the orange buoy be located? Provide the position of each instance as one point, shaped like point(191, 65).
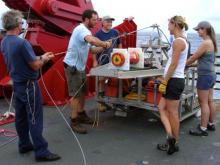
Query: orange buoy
point(134, 57)
point(118, 59)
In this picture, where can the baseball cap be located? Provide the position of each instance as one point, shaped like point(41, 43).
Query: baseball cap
point(202, 24)
point(105, 18)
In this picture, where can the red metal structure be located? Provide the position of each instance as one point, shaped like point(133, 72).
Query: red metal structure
point(50, 24)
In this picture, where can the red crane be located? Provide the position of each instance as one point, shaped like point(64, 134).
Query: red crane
point(50, 24)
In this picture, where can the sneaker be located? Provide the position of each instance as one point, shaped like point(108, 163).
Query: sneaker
point(76, 127)
point(48, 158)
point(171, 141)
point(211, 127)
point(164, 147)
point(84, 118)
point(198, 132)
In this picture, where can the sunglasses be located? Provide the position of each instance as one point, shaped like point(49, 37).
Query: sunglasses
point(201, 28)
point(171, 21)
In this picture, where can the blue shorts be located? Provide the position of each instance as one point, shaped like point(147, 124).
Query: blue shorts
point(205, 82)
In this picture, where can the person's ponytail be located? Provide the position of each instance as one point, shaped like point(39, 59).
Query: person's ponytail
point(211, 33)
point(186, 26)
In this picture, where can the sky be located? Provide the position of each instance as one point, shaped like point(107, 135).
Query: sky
point(147, 12)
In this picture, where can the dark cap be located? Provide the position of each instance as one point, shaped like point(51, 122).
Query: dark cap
point(202, 24)
point(106, 18)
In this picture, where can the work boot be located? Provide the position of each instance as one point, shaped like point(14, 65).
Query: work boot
point(48, 158)
point(101, 107)
point(171, 141)
point(84, 118)
point(26, 149)
point(76, 127)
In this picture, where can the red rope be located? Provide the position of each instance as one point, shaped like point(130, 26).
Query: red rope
point(8, 133)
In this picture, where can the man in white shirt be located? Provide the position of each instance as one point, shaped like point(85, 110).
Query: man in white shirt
point(75, 63)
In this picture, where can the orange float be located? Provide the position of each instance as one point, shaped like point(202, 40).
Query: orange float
point(118, 59)
point(134, 57)
point(150, 83)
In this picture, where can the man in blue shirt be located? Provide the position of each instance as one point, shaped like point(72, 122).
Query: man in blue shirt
point(74, 67)
point(105, 34)
point(23, 66)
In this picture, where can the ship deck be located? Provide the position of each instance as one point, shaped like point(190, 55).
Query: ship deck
point(116, 141)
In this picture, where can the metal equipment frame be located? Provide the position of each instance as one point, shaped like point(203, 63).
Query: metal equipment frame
point(188, 102)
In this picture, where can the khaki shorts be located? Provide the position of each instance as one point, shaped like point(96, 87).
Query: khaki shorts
point(76, 82)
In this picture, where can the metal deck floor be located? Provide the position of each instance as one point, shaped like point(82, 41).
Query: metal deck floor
point(117, 141)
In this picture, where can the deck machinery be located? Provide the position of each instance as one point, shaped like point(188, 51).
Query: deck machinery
point(143, 92)
point(50, 24)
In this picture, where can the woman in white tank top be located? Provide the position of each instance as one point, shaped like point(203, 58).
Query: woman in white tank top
point(172, 84)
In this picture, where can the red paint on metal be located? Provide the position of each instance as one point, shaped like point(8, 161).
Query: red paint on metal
point(128, 26)
point(3, 72)
point(3, 120)
point(51, 23)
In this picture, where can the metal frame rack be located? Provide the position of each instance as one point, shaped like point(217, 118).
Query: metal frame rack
point(188, 103)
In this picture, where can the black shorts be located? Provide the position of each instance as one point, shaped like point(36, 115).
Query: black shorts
point(175, 87)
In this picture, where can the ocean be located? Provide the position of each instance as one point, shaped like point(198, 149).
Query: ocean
point(143, 37)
